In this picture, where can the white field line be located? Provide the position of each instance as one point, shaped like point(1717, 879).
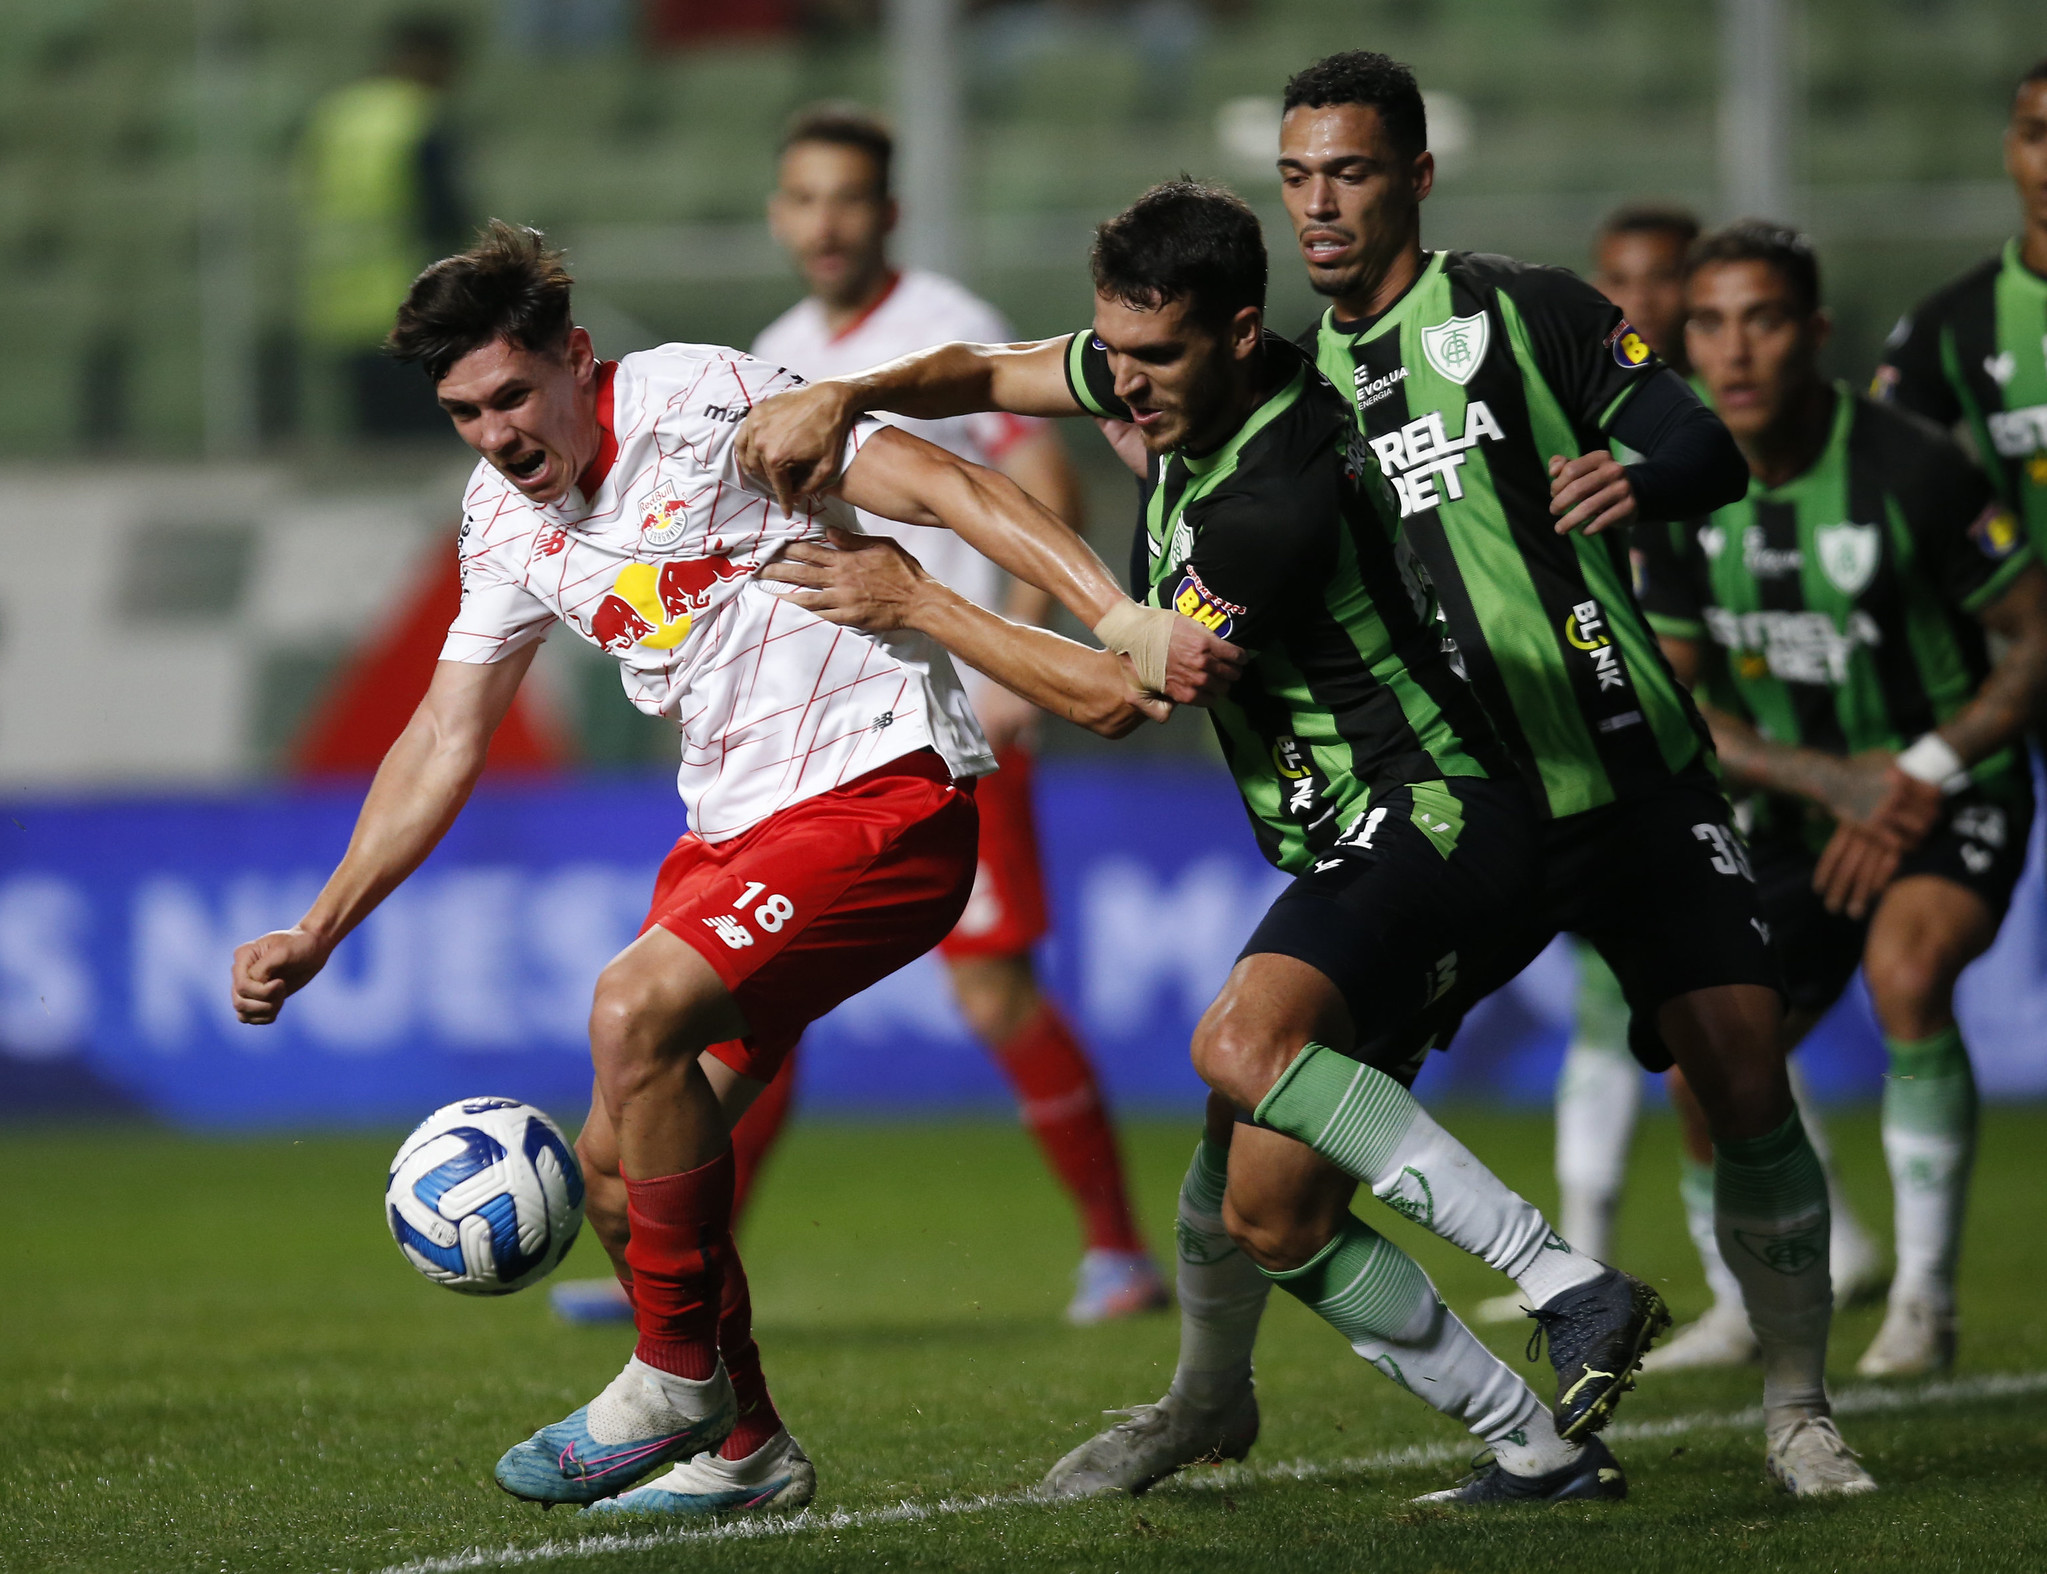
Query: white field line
point(1851, 1401)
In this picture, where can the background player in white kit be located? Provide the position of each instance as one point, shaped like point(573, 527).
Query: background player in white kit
point(832, 210)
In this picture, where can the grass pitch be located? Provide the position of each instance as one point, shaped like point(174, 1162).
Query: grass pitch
point(213, 1358)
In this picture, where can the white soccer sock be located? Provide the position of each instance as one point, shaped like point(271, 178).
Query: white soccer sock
point(1695, 1186)
point(1222, 1292)
point(644, 1401)
point(1849, 1245)
point(1929, 1131)
point(1373, 1129)
point(1599, 1092)
point(1379, 1299)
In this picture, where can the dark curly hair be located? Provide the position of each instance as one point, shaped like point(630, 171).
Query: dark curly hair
point(1184, 240)
point(1364, 76)
point(1763, 240)
point(510, 285)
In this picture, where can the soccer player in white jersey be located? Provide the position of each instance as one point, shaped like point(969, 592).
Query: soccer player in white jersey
point(828, 775)
point(833, 212)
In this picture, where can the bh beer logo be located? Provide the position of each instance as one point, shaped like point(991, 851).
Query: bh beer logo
point(652, 604)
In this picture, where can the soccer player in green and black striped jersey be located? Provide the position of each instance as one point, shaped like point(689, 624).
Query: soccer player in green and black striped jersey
point(1836, 616)
point(1370, 772)
point(1489, 390)
point(1975, 351)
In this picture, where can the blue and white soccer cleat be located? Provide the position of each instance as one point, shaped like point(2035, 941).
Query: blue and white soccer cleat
point(777, 1476)
point(630, 1430)
point(1114, 1284)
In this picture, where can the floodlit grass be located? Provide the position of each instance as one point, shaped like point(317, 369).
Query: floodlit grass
point(212, 1357)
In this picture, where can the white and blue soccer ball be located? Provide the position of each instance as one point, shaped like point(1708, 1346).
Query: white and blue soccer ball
point(485, 1196)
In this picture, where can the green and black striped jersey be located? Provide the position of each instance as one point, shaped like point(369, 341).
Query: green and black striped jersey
point(1976, 352)
point(1842, 605)
point(1273, 542)
point(1464, 388)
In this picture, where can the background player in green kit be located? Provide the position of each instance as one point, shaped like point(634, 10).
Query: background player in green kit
point(1489, 391)
point(1835, 621)
point(1370, 773)
point(1975, 352)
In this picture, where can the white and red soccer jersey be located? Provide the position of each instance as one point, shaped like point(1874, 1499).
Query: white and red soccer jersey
point(653, 558)
point(919, 310)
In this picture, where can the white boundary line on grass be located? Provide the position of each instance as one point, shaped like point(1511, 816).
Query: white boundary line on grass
point(1852, 1401)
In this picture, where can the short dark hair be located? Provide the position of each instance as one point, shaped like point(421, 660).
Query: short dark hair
point(2037, 74)
point(1653, 218)
point(1364, 76)
point(844, 125)
point(1762, 240)
point(510, 285)
point(1184, 240)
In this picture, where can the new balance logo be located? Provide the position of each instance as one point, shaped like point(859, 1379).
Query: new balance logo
point(730, 930)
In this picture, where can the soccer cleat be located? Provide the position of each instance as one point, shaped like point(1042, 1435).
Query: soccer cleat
point(1720, 1338)
point(777, 1475)
point(1809, 1459)
point(590, 1301)
point(1500, 1309)
point(1916, 1340)
point(1150, 1444)
point(1115, 1284)
point(1595, 1475)
point(1598, 1334)
point(566, 1463)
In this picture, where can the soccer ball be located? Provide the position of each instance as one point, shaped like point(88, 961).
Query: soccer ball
point(485, 1196)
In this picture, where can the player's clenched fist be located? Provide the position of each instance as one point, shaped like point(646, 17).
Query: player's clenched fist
point(793, 441)
point(272, 967)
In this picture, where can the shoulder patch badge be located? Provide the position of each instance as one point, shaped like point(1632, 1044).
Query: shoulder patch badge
point(1195, 600)
point(1457, 347)
point(1996, 532)
point(1848, 555)
point(1630, 349)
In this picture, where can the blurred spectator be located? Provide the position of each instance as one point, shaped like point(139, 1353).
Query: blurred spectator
point(379, 200)
point(555, 27)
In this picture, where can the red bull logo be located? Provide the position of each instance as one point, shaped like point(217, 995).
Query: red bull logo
point(652, 605)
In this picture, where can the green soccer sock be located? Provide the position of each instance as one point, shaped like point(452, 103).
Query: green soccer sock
point(1222, 1293)
point(1372, 1129)
point(1770, 1207)
point(1929, 1130)
point(1378, 1298)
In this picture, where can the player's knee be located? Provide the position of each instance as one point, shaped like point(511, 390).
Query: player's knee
point(1908, 988)
point(997, 996)
point(1275, 1239)
point(1237, 1057)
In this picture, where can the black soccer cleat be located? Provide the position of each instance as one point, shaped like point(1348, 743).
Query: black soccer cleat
point(1598, 1334)
point(1594, 1476)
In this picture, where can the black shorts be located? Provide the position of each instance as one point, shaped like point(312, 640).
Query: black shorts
point(1980, 845)
point(1398, 919)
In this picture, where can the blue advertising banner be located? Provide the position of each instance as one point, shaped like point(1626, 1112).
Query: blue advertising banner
point(118, 917)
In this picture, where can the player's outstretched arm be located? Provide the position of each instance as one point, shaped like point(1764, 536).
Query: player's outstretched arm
point(899, 476)
point(794, 442)
point(2014, 695)
point(871, 582)
point(419, 789)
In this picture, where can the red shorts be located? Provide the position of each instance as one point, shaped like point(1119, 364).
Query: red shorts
point(1006, 914)
point(822, 899)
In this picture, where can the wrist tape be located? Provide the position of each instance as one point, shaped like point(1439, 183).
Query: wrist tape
point(1143, 634)
point(1933, 759)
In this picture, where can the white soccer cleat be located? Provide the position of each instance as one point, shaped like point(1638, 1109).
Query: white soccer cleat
point(1151, 1443)
point(1720, 1338)
point(1809, 1459)
point(1112, 1284)
point(1494, 1309)
point(777, 1476)
point(1916, 1340)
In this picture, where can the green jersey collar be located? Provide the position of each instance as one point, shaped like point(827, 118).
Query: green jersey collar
point(1837, 440)
point(2016, 269)
point(1394, 313)
point(1254, 423)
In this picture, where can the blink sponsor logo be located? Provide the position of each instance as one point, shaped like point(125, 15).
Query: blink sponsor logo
point(1370, 390)
point(1585, 628)
point(1422, 460)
